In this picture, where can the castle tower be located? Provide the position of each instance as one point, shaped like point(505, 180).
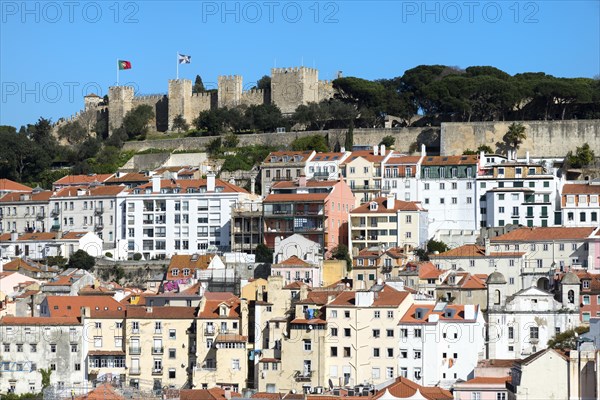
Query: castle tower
point(180, 95)
point(91, 101)
point(291, 87)
point(120, 102)
point(230, 90)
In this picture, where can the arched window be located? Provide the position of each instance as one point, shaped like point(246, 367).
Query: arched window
point(571, 297)
point(497, 296)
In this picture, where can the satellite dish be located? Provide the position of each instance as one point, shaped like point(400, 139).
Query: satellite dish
point(310, 327)
point(330, 384)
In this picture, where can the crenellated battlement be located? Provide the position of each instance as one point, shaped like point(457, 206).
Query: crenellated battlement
point(254, 92)
point(207, 95)
point(148, 97)
point(294, 70)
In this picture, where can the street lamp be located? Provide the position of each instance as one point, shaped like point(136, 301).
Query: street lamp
point(580, 340)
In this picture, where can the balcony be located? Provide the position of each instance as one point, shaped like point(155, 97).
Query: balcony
point(134, 371)
point(365, 187)
point(55, 228)
point(308, 229)
point(157, 371)
point(55, 212)
point(135, 350)
point(98, 227)
point(158, 350)
point(211, 331)
point(98, 210)
point(41, 216)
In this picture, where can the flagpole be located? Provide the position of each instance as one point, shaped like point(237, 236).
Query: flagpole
point(117, 72)
point(177, 62)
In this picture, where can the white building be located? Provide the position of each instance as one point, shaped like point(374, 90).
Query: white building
point(521, 325)
point(92, 209)
point(167, 217)
point(401, 174)
point(325, 166)
point(32, 343)
point(519, 193)
point(25, 212)
point(299, 246)
point(580, 206)
point(440, 344)
point(448, 191)
point(39, 246)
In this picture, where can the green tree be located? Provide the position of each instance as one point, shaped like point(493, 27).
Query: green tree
point(513, 138)
point(583, 157)
point(263, 254)
point(81, 260)
point(214, 147)
point(58, 261)
point(136, 121)
point(485, 148)
point(264, 83)
point(349, 141)
point(214, 122)
point(137, 256)
point(317, 143)
point(340, 252)
point(435, 245)
point(72, 132)
point(198, 85)
point(264, 117)
point(180, 124)
point(567, 340)
point(388, 141)
point(46, 374)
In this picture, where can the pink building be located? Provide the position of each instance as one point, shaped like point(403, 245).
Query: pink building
point(317, 210)
point(296, 270)
point(482, 388)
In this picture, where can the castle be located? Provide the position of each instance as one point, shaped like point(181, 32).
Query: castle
point(290, 87)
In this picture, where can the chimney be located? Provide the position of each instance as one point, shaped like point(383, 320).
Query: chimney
point(210, 182)
point(391, 201)
point(527, 157)
point(423, 150)
point(14, 236)
point(482, 156)
point(302, 181)
point(155, 183)
point(364, 298)
point(343, 149)
point(469, 313)
point(375, 150)
point(227, 393)
point(486, 244)
point(382, 149)
point(252, 185)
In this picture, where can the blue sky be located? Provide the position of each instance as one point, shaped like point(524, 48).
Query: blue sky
point(52, 53)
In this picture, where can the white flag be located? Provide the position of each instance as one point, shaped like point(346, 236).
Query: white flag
point(183, 59)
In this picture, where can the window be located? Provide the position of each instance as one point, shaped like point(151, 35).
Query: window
point(403, 372)
point(403, 332)
point(390, 352)
point(376, 352)
point(33, 348)
point(376, 333)
point(347, 352)
point(172, 334)
point(334, 331)
point(375, 373)
point(389, 372)
point(73, 347)
point(333, 314)
point(500, 396)
point(417, 332)
point(376, 314)
point(333, 352)
point(52, 348)
point(475, 396)
point(172, 353)
point(389, 333)
point(417, 354)
point(390, 314)
point(534, 332)
point(235, 364)
point(346, 332)
point(346, 314)
point(52, 367)
point(417, 374)
point(586, 300)
point(307, 345)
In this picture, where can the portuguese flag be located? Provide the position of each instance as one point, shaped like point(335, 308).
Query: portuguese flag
point(124, 64)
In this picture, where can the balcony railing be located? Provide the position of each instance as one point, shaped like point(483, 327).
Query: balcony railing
point(98, 210)
point(55, 228)
point(134, 371)
point(308, 229)
point(135, 350)
point(98, 227)
point(210, 331)
point(303, 376)
point(157, 371)
point(55, 212)
point(158, 350)
point(41, 216)
point(365, 187)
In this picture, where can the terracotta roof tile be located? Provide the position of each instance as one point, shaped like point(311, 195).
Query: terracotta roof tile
point(35, 236)
point(70, 306)
point(450, 160)
point(488, 380)
point(399, 205)
point(295, 197)
point(104, 391)
point(39, 321)
point(428, 271)
point(17, 197)
point(185, 261)
point(580, 188)
point(82, 179)
point(19, 263)
point(367, 155)
point(163, 312)
point(404, 388)
point(309, 183)
point(410, 316)
point(184, 184)
point(215, 393)
point(386, 297)
point(537, 234)
point(230, 337)
point(472, 251)
point(6, 185)
point(293, 261)
point(279, 154)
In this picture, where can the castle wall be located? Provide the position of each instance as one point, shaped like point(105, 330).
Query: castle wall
point(253, 97)
point(180, 95)
point(160, 105)
point(199, 102)
point(325, 90)
point(291, 87)
point(544, 138)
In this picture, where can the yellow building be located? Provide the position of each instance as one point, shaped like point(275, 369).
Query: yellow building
point(222, 342)
point(160, 346)
point(362, 172)
point(250, 289)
